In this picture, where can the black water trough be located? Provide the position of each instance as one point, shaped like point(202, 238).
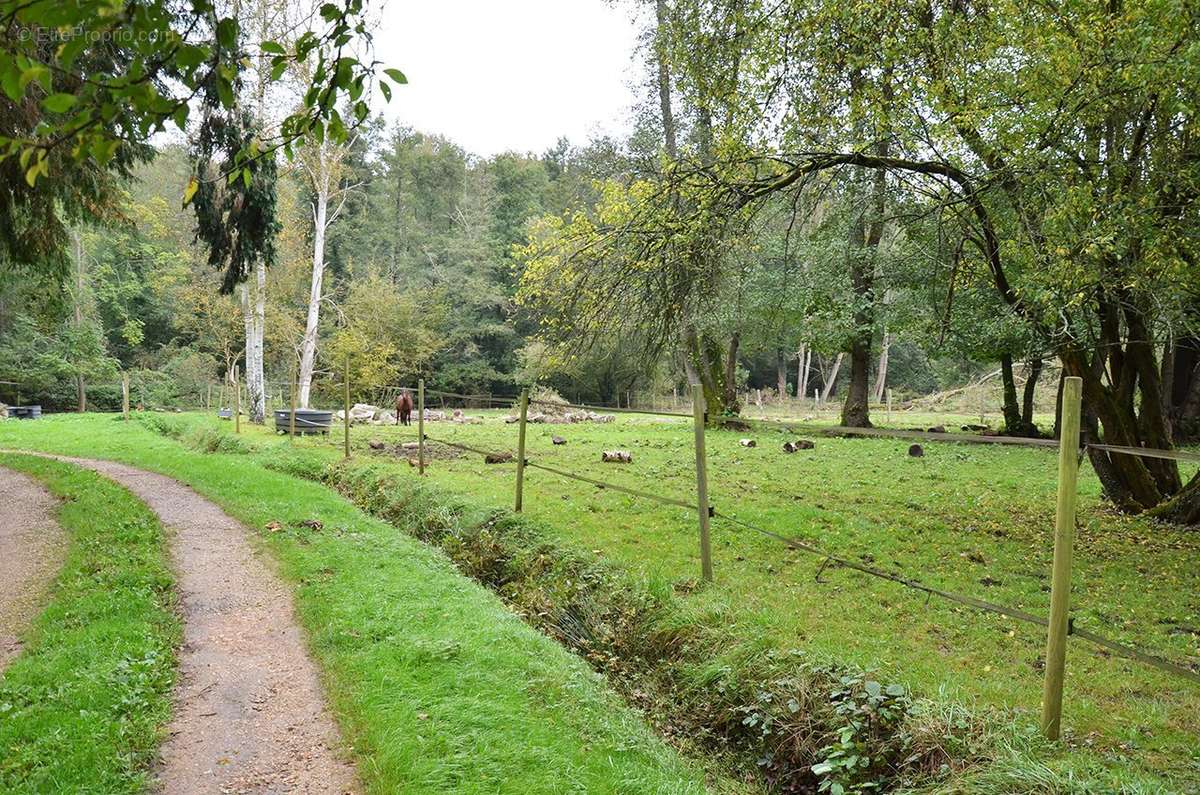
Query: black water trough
point(25, 412)
point(307, 421)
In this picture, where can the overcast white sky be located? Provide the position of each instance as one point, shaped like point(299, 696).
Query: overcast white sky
point(509, 74)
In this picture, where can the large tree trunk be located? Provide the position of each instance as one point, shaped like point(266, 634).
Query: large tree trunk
point(1014, 420)
point(1182, 389)
point(308, 347)
point(1035, 372)
point(715, 368)
point(1122, 389)
point(1184, 507)
point(856, 411)
point(865, 234)
point(1009, 407)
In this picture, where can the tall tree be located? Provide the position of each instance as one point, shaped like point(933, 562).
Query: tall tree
point(322, 166)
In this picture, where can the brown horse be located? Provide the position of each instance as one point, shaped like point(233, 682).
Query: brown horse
point(404, 407)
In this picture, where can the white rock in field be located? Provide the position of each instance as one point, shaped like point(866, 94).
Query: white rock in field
point(362, 412)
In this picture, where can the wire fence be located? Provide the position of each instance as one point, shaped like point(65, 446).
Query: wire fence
point(829, 557)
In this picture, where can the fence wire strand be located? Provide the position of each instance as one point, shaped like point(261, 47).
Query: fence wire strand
point(1129, 652)
point(600, 483)
point(613, 409)
point(605, 485)
point(896, 433)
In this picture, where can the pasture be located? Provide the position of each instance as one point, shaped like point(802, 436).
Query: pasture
point(972, 519)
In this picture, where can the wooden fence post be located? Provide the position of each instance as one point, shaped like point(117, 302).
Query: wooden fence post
point(421, 426)
point(292, 418)
point(1064, 542)
point(521, 449)
point(208, 398)
point(889, 405)
point(125, 395)
point(698, 412)
point(237, 399)
point(346, 415)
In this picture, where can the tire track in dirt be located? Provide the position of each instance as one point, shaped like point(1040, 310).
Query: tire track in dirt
point(32, 548)
point(249, 712)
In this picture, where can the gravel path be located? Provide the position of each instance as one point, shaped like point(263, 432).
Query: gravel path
point(249, 713)
point(32, 546)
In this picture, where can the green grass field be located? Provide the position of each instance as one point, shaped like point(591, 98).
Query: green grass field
point(436, 686)
point(83, 707)
point(971, 519)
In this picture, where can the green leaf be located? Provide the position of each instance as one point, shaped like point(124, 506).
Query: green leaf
point(386, 90)
point(38, 73)
point(246, 177)
point(227, 30)
point(273, 47)
point(190, 191)
point(40, 167)
point(396, 75)
point(11, 81)
point(58, 103)
point(104, 149)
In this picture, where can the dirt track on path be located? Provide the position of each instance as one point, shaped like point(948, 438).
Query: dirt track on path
point(249, 713)
point(32, 546)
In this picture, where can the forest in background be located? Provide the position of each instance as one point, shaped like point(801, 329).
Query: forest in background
point(422, 263)
point(898, 195)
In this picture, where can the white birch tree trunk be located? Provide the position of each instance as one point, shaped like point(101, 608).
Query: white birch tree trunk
point(881, 375)
point(837, 365)
point(254, 316)
point(308, 348)
point(248, 325)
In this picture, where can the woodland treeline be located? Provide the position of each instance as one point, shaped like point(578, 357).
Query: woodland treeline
point(812, 195)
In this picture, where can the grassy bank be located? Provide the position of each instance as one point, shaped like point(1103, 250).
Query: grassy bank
point(82, 708)
point(437, 686)
point(970, 519)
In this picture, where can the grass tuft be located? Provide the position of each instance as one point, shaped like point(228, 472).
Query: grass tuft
point(83, 707)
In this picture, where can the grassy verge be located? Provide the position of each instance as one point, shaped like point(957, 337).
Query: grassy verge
point(970, 519)
point(82, 708)
point(437, 686)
